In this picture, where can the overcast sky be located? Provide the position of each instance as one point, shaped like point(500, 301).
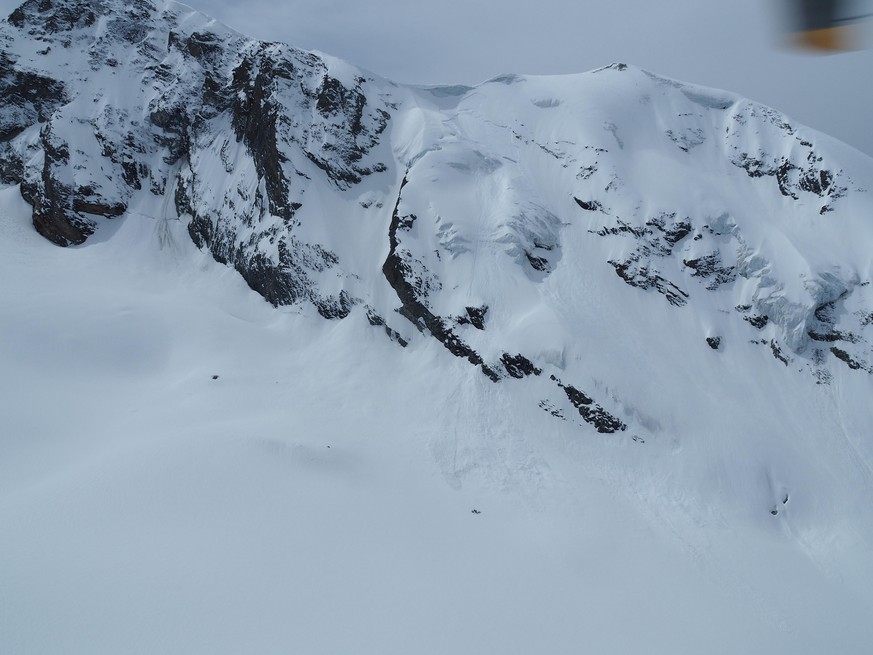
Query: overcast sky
point(729, 44)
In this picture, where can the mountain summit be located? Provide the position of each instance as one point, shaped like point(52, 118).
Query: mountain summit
point(457, 209)
point(673, 276)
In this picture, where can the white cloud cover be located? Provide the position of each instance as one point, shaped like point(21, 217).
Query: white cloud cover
point(731, 45)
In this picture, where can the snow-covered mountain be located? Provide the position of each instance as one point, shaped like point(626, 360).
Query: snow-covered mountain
point(610, 283)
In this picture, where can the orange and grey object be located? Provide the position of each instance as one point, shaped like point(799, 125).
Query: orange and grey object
point(828, 25)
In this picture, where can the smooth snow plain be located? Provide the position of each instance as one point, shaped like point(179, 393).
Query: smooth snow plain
point(318, 496)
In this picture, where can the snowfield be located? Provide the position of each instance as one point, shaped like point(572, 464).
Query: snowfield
point(550, 365)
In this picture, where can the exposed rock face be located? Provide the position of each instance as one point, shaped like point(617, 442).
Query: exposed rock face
point(519, 366)
point(591, 412)
point(25, 97)
point(42, 17)
point(802, 171)
point(404, 274)
point(504, 221)
point(292, 118)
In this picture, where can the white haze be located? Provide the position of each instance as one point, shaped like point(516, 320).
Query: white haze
point(734, 45)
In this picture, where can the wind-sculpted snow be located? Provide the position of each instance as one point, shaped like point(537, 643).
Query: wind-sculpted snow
point(463, 213)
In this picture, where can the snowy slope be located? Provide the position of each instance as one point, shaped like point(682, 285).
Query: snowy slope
point(628, 320)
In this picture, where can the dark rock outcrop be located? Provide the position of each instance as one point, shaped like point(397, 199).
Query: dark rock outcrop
point(11, 166)
point(710, 268)
point(591, 412)
point(54, 16)
point(777, 352)
point(411, 290)
point(847, 358)
point(519, 366)
point(642, 277)
point(26, 98)
point(475, 316)
point(757, 322)
point(52, 197)
point(589, 205)
point(800, 170)
point(374, 319)
point(254, 118)
point(657, 238)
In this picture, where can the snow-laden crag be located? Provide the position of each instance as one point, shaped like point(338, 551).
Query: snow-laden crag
point(514, 222)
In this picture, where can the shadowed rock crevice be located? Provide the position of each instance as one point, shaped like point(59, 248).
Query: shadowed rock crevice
point(409, 290)
point(55, 203)
point(254, 119)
